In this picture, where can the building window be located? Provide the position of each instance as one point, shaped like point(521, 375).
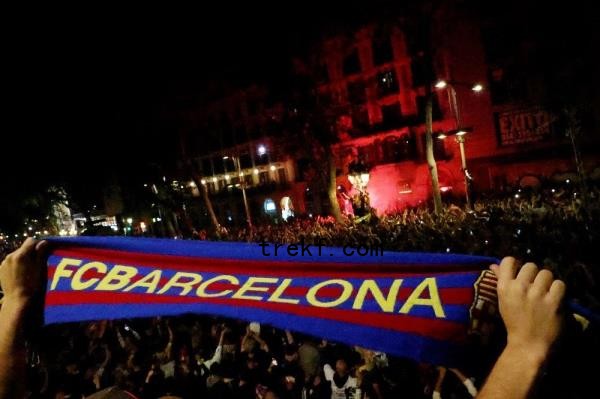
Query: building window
point(382, 51)
point(263, 178)
point(282, 175)
point(352, 63)
point(322, 74)
point(262, 159)
point(213, 186)
point(302, 169)
point(368, 154)
point(420, 70)
point(356, 92)
point(392, 116)
point(387, 83)
point(398, 149)
point(219, 167)
point(360, 120)
point(229, 164)
point(245, 161)
point(439, 149)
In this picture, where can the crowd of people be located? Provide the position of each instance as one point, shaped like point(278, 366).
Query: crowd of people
point(201, 357)
point(555, 227)
point(195, 356)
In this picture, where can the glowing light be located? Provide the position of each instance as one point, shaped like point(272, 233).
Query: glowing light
point(440, 84)
point(553, 190)
point(225, 157)
point(129, 220)
point(517, 195)
point(269, 205)
point(145, 184)
point(227, 177)
point(273, 167)
point(192, 184)
point(568, 181)
point(445, 188)
point(241, 174)
point(158, 219)
point(255, 171)
point(261, 150)
point(203, 181)
point(461, 132)
point(29, 228)
point(477, 88)
point(215, 179)
point(441, 136)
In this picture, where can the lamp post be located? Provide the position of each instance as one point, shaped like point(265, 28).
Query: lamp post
point(236, 161)
point(459, 132)
point(459, 135)
point(358, 175)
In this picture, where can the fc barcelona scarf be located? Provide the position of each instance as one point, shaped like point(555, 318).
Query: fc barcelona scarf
point(416, 305)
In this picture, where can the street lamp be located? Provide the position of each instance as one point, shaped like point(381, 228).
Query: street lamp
point(459, 132)
point(261, 150)
point(459, 135)
point(358, 175)
point(441, 84)
point(477, 88)
point(359, 180)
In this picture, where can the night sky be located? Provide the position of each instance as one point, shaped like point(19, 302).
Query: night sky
point(86, 90)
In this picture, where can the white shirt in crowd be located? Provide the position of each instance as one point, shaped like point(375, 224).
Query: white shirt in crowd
point(338, 392)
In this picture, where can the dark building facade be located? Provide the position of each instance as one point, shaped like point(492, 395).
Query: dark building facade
point(377, 79)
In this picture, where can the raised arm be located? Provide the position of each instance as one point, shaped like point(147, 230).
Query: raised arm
point(529, 305)
point(22, 278)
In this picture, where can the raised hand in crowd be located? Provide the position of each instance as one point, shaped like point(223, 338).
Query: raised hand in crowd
point(530, 303)
point(22, 275)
